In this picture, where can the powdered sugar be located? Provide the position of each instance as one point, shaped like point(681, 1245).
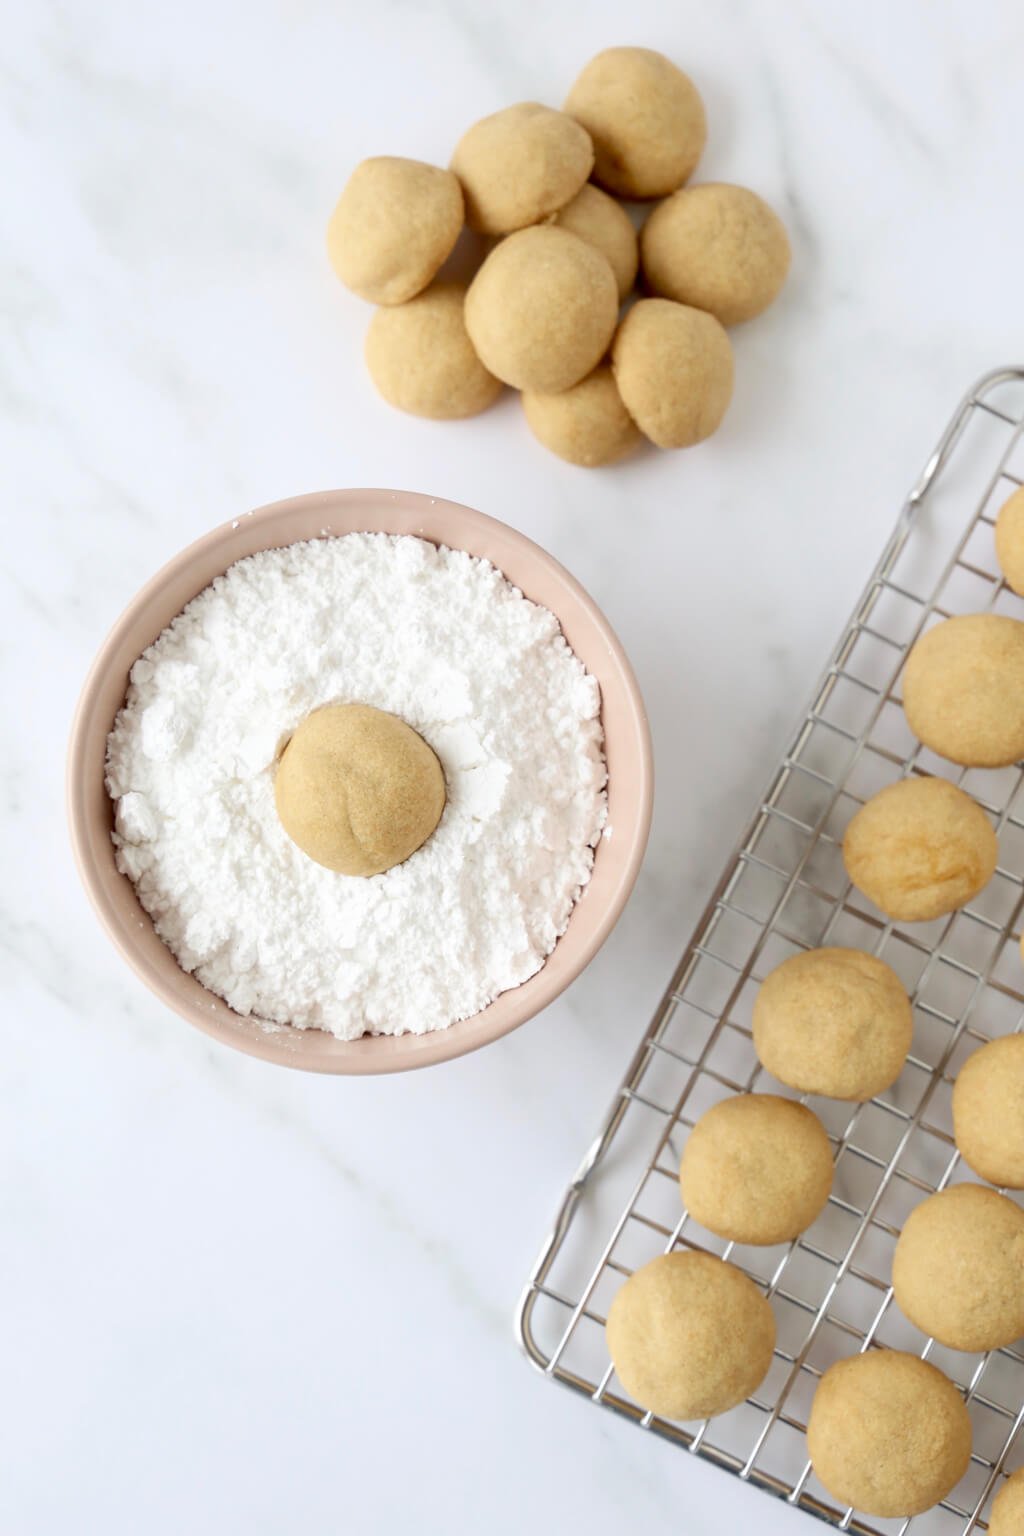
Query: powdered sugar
point(432, 635)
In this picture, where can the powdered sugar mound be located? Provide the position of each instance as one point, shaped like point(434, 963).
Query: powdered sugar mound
point(442, 640)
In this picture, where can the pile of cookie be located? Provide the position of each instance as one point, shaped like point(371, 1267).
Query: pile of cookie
point(560, 257)
point(690, 1335)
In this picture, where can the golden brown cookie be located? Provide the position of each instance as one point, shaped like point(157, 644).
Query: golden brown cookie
point(717, 247)
point(920, 848)
point(988, 1111)
point(421, 358)
point(520, 165)
point(1007, 1517)
point(587, 424)
point(542, 309)
point(888, 1433)
point(833, 1021)
point(357, 789)
point(963, 689)
point(645, 117)
point(604, 223)
point(958, 1269)
point(395, 224)
point(690, 1336)
point(756, 1169)
point(673, 367)
point(1010, 540)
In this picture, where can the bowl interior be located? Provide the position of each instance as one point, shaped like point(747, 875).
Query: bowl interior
point(627, 747)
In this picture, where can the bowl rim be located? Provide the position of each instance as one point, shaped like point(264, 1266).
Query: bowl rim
point(410, 1051)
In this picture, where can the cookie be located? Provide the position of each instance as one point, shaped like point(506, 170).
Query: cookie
point(646, 120)
point(520, 165)
point(395, 224)
point(920, 848)
point(587, 424)
point(604, 223)
point(1010, 540)
point(988, 1111)
point(673, 367)
point(958, 1269)
point(422, 361)
point(717, 247)
point(690, 1336)
point(963, 690)
point(756, 1169)
point(833, 1021)
point(888, 1433)
point(1007, 1516)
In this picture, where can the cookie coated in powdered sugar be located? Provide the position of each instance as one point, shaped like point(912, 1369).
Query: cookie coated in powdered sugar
point(433, 635)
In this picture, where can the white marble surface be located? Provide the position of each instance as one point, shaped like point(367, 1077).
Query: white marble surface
point(238, 1299)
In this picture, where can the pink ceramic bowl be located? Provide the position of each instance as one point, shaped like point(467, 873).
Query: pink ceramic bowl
point(627, 746)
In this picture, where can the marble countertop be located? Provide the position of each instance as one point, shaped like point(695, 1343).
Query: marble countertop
point(241, 1299)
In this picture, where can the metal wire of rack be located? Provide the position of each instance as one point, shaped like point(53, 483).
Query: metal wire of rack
point(783, 891)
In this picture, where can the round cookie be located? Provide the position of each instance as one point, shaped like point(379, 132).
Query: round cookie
point(888, 1433)
point(421, 358)
point(395, 224)
point(673, 367)
point(357, 789)
point(587, 424)
point(690, 1336)
point(963, 690)
point(920, 848)
point(988, 1111)
point(1007, 1515)
point(756, 1169)
point(717, 247)
point(604, 223)
point(542, 308)
point(645, 117)
point(833, 1021)
point(1010, 540)
point(520, 165)
point(958, 1268)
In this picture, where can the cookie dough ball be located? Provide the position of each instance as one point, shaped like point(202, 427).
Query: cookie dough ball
point(520, 165)
point(395, 223)
point(963, 690)
point(888, 1433)
point(690, 1336)
point(1007, 1516)
point(542, 309)
point(645, 118)
point(587, 424)
point(1010, 540)
point(988, 1111)
point(833, 1021)
point(604, 223)
point(958, 1268)
point(919, 849)
point(421, 358)
point(673, 366)
point(357, 789)
point(717, 247)
point(756, 1169)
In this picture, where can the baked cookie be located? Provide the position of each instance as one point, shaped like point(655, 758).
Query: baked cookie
point(1010, 540)
point(1007, 1516)
point(520, 165)
point(421, 358)
point(542, 308)
point(833, 1021)
point(587, 424)
point(690, 1336)
point(963, 690)
point(604, 223)
point(395, 224)
point(958, 1269)
point(888, 1433)
point(988, 1111)
point(673, 368)
point(920, 848)
point(757, 1169)
point(645, 117)
point(717, 247)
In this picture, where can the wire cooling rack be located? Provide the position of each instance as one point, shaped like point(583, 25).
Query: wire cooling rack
point(785, 890)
